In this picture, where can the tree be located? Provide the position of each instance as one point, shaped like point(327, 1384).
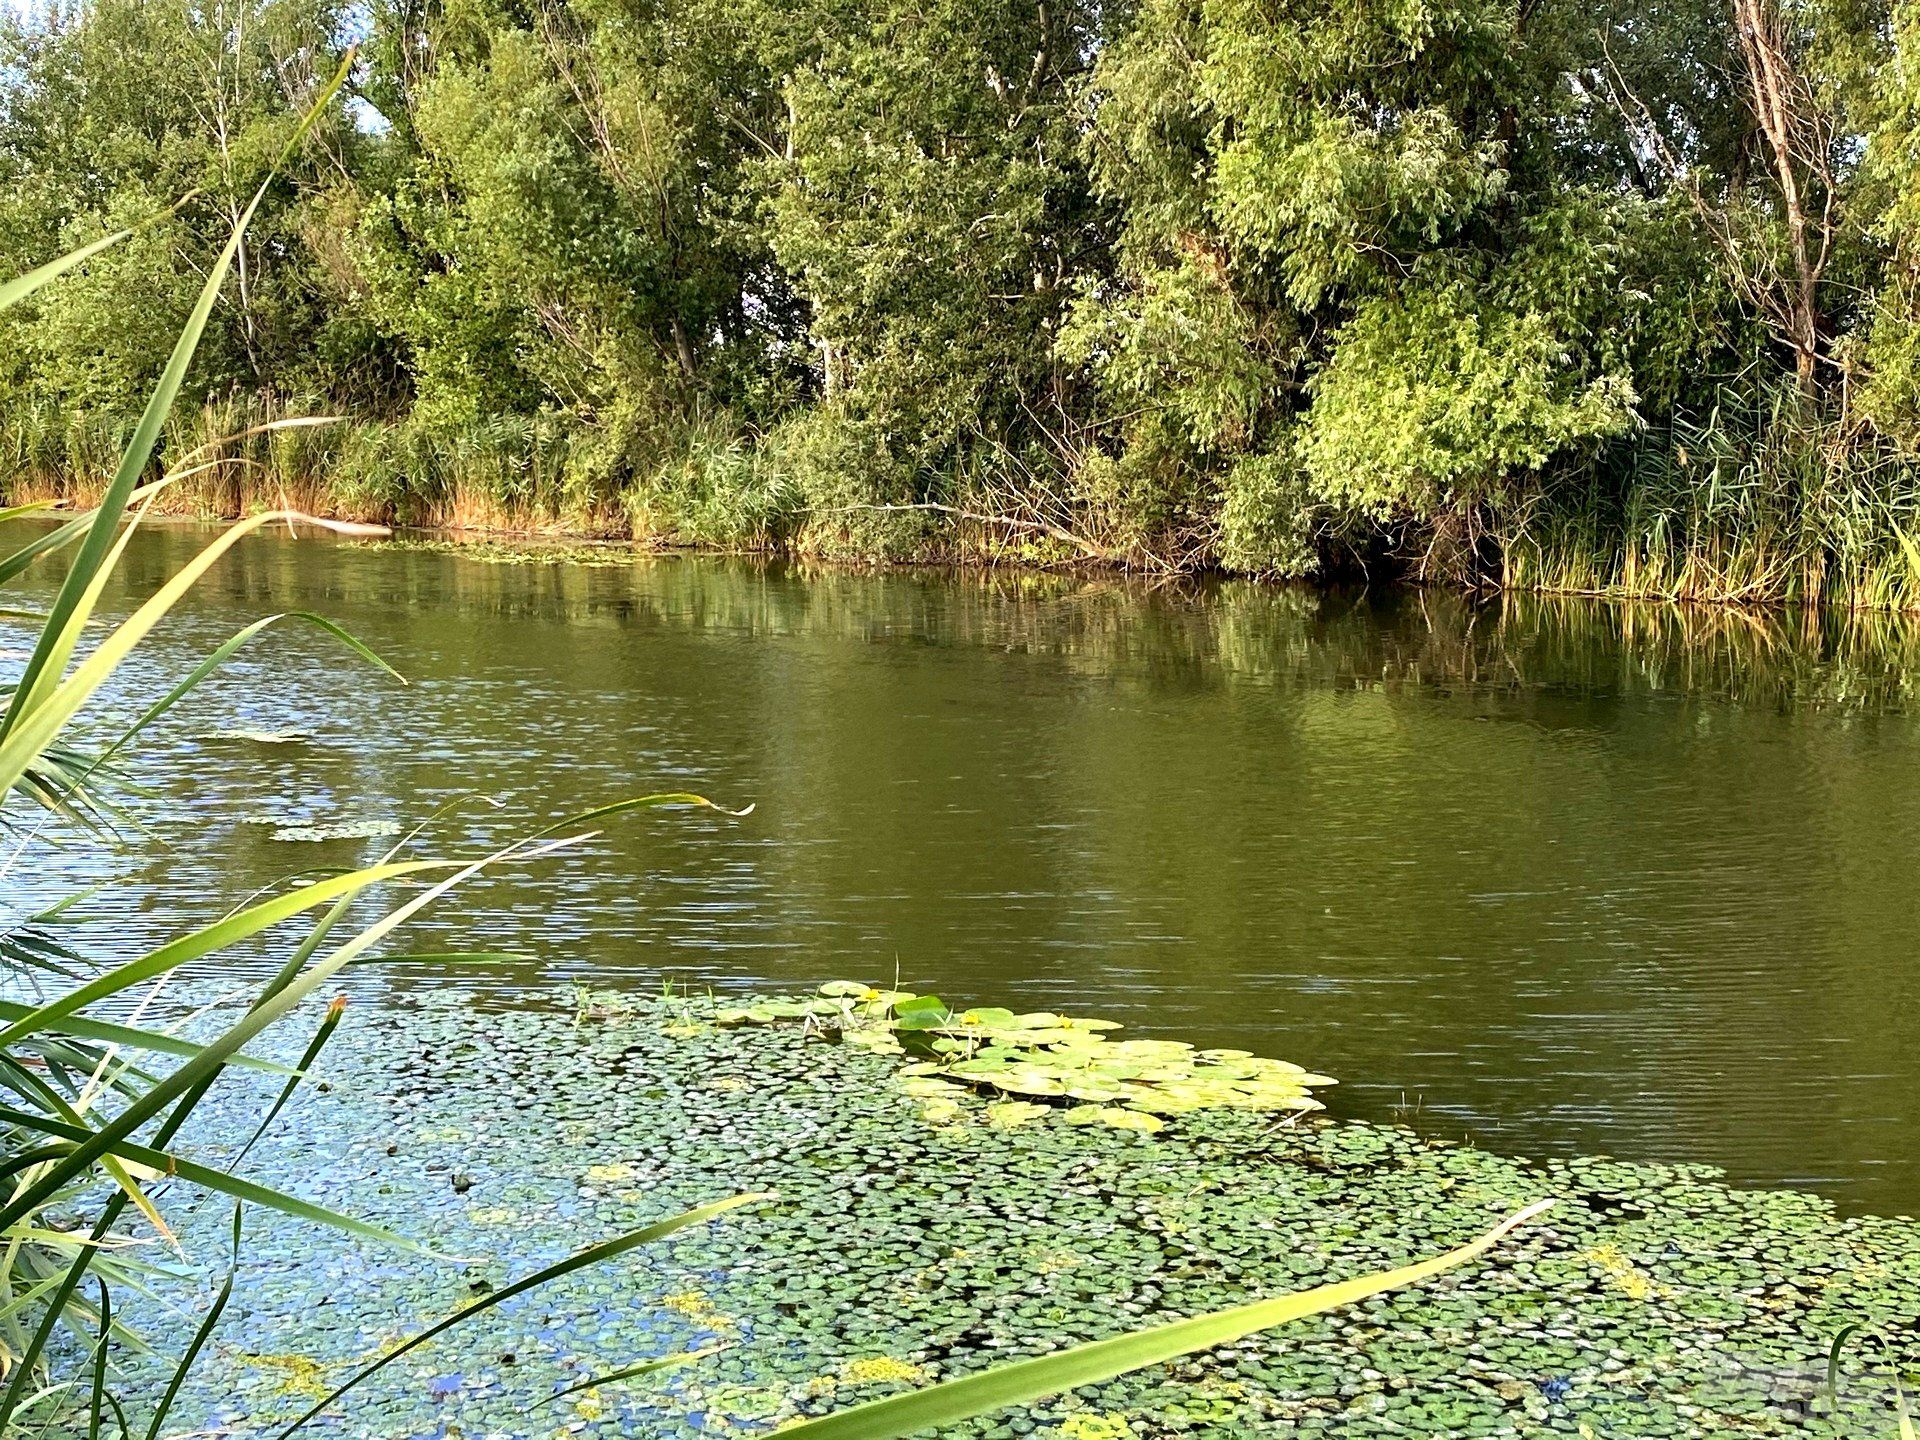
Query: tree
point(928, 201)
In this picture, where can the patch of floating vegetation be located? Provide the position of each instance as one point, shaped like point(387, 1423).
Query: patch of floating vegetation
point(319, 830)
point(1124, 1084)
point(493, 551)
point(262, 737)
point(908, 1243)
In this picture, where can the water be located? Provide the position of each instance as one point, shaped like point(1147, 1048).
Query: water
point(1557, 878)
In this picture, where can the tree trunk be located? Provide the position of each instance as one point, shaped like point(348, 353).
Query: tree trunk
point(1784, 110)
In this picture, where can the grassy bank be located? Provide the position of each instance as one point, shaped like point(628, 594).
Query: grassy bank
point(912, 1238)
point(1771, 511)
point(709, 488)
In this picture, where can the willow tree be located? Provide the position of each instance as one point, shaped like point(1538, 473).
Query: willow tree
point(1382, 265)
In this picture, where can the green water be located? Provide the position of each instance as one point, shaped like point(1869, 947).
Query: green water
point(1561, 879)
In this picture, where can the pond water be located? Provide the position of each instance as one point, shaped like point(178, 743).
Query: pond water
point(1558, 878)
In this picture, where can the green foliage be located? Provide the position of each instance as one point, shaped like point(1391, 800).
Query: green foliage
point(84, 1129)
point(1445, 398)
point(1268, 286)
point(901, 1254)
point(1890, 396)
point(930, 210)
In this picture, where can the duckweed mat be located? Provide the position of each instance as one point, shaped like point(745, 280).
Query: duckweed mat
point(911, 1241)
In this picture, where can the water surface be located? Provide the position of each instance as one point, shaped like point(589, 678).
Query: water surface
point(1557, 878)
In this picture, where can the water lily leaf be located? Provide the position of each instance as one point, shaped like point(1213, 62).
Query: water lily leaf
point(338, 830)
point(1028, 1082)
point(986, 1018)
point(1041, 1055)
point(1095, 1088)
point(922, 1012)
point(1115, 1117)
point(1011, 1114)
point(941, 1111)
point(1152, 1049)
point(925, 1087)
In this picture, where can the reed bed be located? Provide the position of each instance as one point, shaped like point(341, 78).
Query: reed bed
point(1762, 503)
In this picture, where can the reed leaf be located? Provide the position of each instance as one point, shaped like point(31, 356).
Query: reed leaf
point(41, 710)
point(184, 1366)
point(166, 1163)
point(133, 1037)
point(13, 291)
point(207, 940)
point(630, 1372)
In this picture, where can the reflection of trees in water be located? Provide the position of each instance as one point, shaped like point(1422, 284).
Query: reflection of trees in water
point(1211, 634)
point(1184, 634)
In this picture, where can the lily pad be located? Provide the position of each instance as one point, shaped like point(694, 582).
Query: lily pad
point(1115, 1117)
point(338, 830)
point(262, 737)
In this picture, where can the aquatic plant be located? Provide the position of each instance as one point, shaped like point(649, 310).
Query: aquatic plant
point(86, 1130)
point(1849, 1333)
point(896, 1246)
point(1126, 1084)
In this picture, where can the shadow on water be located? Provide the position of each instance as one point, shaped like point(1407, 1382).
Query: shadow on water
point(1559, 876)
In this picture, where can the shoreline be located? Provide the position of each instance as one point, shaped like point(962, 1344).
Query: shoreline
point(466, 526)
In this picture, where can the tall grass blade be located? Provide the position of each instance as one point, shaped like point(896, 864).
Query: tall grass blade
point(184, 1367)
point(322, 1033)
point(166, 1163)
point(631, 1372)
point(672, 801)
point(207, 940)
point(133, 1037)
point(224, 652)
point(1846, 1332)
point(39, 713)
point(196, 1073)
point(97, 1408)
point(21, 286)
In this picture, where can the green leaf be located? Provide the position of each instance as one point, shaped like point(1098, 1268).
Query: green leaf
point(133, 1038)
point(80, 589)
point(206, 941)
point(166, 1163)
point(631, 1372)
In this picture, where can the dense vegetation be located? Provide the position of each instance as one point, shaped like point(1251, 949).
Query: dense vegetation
point(1604, 297)
point(89, 1119)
